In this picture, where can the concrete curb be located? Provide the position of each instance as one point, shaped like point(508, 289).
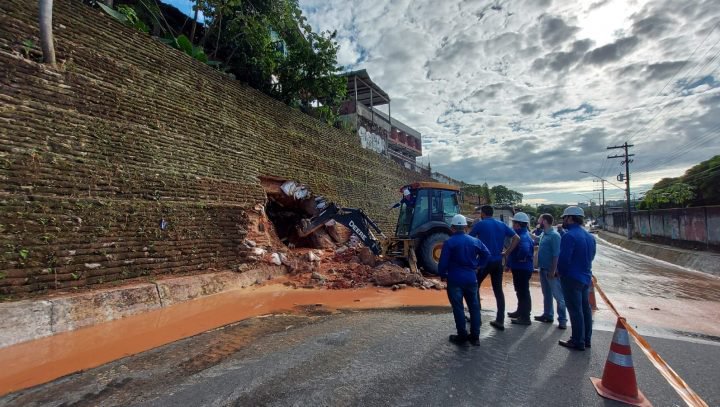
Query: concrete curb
point(33, 319)
point(700, 261)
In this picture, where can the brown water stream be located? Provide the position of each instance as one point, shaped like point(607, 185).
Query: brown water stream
point(35, 362)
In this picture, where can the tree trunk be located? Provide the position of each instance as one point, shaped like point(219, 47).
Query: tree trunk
point(194, 26)
point(217, 43)
point(46, 35)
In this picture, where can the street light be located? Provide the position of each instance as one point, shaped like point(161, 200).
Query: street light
point(602, 203)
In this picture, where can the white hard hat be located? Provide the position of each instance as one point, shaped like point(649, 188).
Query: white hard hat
point(406, 191)
point(573, 211)
point(459, 220)
point(521, 217)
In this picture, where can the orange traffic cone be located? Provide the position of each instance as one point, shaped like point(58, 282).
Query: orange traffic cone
point(618, 381)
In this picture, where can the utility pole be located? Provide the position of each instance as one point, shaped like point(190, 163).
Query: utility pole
point(626, 161)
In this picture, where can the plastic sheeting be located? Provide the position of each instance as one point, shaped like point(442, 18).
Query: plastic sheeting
point(295, 190)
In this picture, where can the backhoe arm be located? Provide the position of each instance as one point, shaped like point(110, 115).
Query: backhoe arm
point(355, 219)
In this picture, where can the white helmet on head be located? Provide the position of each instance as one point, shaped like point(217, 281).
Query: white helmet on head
point(459, 220)
point(521, 217)
point(573, 211)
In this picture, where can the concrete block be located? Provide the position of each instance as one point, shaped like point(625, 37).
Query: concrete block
point(23, 321)
point(174, 290)
point(95, 307)
point(259, 274)
point(181, 289)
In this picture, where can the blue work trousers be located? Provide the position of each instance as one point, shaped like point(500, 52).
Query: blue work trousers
point(468, 291)
point(578, 306)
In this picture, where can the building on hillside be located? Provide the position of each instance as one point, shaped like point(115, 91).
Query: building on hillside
point(379, 131)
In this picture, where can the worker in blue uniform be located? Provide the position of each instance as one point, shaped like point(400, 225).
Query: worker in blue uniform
point(521, 264)
point(460, 258)
point(493, 234)
point(577, 252)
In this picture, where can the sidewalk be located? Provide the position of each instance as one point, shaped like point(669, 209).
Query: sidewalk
point(706, 262)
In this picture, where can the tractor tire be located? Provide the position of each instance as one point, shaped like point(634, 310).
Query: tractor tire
point(430, 251)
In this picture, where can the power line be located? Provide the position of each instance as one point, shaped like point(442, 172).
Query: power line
point(685, 64)
point(604, 168)
point(686, 148)
point(649, 129)
point(701, 175)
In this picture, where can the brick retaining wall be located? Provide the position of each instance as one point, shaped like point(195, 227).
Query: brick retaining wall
point(127, 132)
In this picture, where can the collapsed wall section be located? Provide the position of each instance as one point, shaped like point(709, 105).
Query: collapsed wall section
point(131, 159)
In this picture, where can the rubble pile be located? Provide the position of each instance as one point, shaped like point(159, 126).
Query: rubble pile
point(344, 268)
point(331, 257)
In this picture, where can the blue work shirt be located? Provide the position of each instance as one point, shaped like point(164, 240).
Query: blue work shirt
point(460, 258)
point(577, 251)
point(549, 247)
point(521, 258)
point(492, 233)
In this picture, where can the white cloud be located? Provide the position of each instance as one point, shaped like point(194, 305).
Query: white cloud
point(527, 93)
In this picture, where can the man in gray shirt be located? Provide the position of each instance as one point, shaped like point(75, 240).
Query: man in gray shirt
point(549, 242)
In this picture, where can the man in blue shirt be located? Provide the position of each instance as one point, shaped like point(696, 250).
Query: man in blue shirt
point(460, 258)
point(493, 233)
point(548, 252)
point(520, 261)
point(577, 251)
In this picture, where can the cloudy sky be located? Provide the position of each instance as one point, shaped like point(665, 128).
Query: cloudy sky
point(527, 93)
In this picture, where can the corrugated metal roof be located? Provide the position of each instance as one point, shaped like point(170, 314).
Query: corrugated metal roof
point(364, 84)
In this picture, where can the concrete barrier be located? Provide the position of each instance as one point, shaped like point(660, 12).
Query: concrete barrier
point(77, 311)
point(27, 320)
point(706, 262)
point(24, 320)
point(181, 289)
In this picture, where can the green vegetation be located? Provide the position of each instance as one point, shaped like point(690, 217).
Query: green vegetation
point(499, 194)
point(699, 186)
point(264, 43)
point(126, 15)
point(183, 44)
point(505, 196)
point(27, 47)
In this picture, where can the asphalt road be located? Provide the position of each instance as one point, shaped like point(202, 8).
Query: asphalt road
point(655, 294)
point(402, 357)
point(371, 358)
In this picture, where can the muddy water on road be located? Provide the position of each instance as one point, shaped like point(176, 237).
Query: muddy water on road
point(648, 292)
point(683, 300)
point(628, 273)
point(31, 363)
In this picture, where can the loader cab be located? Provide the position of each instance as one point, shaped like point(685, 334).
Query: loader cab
point(427, 221)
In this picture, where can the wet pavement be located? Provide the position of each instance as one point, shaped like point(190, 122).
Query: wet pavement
point(664, 301)
point(371, 358)
point(656, 294)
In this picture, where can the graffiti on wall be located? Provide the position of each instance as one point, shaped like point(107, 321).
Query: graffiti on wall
point(699, 224)
point(371, 141)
